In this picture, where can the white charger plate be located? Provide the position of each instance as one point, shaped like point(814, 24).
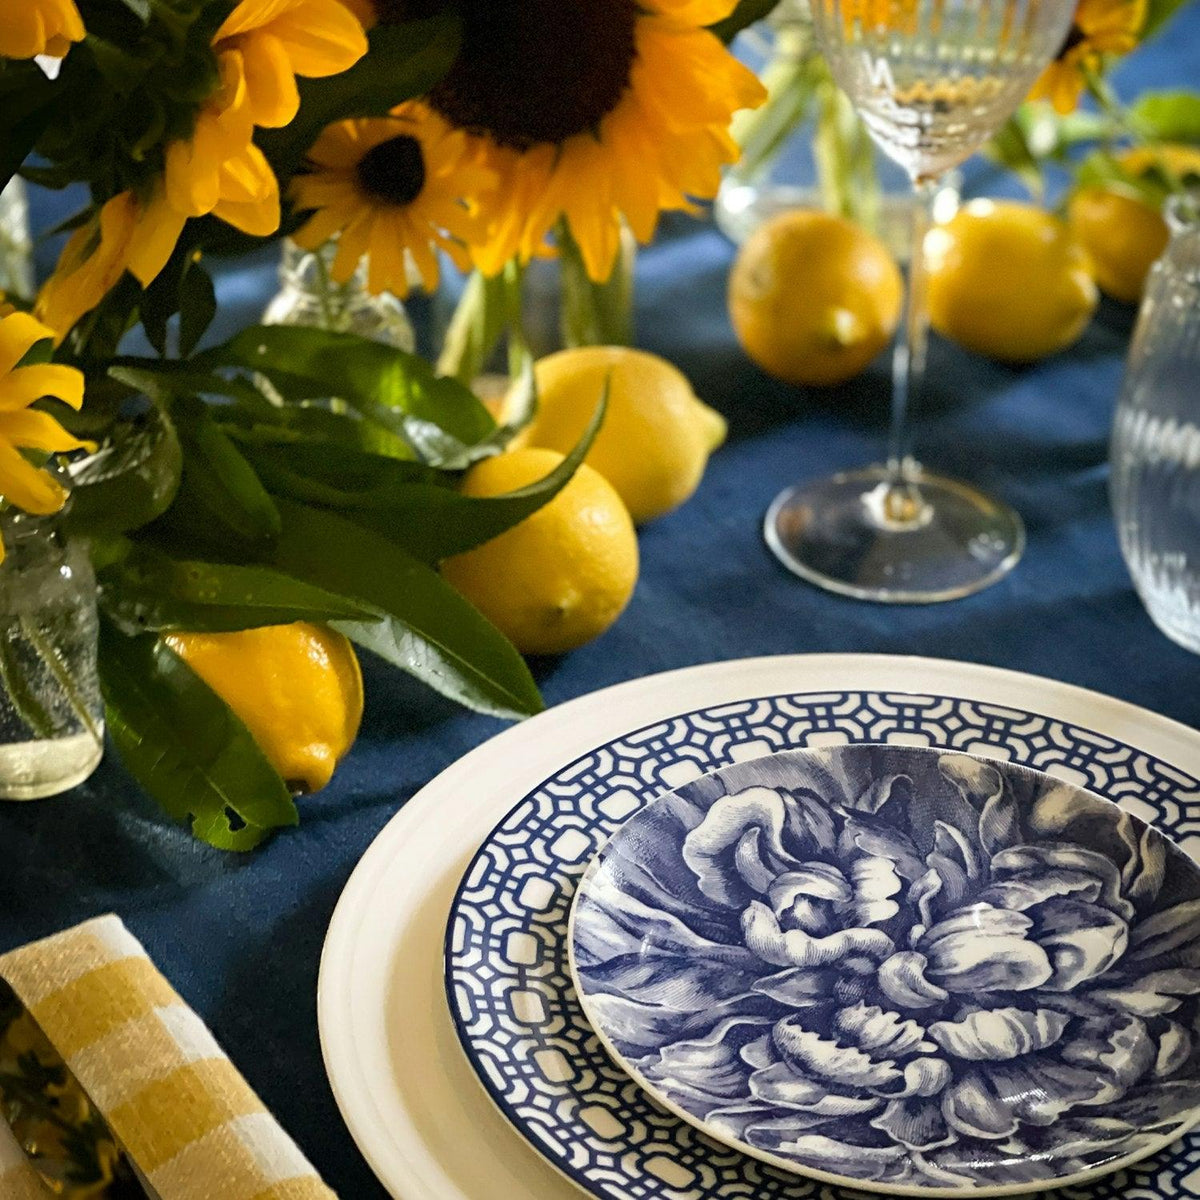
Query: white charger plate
point(411, 1101)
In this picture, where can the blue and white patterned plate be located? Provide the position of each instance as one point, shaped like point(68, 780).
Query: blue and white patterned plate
point(897, 967)
point(517, 1014)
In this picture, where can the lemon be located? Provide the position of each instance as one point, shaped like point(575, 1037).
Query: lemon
point(1121, 232)
point(813, 297)
point(1008, 280)
point(297, 688)
point(562, 576)
point(656, 437)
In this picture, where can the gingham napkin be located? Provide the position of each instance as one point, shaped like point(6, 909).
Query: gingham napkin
point(186, 1119)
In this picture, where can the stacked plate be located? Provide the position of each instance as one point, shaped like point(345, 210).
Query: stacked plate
point(784, 928)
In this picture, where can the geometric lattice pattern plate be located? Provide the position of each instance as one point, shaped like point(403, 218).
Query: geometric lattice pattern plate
point(507, 977)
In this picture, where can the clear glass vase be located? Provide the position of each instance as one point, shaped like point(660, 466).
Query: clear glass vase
point(309, 296)
point(51, 711)
point(1156, 436)
point(16, 243)
point(808, 148)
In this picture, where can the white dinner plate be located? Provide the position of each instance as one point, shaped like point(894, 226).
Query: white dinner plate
point(412, 1103)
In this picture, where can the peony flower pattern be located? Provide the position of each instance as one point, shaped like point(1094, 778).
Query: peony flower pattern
point(901, 966)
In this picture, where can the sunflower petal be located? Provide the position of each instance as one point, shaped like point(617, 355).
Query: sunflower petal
point(27, 486)
point(26, 385)
point(19, 333)
point(33, 430)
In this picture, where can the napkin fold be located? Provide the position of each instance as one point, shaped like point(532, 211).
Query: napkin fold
point(184, 1116)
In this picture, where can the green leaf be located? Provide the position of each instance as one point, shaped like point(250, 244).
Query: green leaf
point(219, 475)
point(1010, 148)
point(28, 104)
point(149, 591)
point(1168, 116)
point(1158, 13)
point(746, 13)
point(439, 417)
point(139, 8)
point(164, 380)
point(131, 479)
point(433, 523)
point(431, 631)
point(197, 307)
point(404, 60)
point(187, 747)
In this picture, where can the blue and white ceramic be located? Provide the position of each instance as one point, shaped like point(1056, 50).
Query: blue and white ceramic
point(902, 968)
point(517, 1014)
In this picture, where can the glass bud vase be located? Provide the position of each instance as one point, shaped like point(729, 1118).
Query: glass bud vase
point(1156, 436)
point(309, 296)
point(51, 711)
point(16, 243)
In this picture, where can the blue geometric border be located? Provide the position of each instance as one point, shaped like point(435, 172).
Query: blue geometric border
point(507, 980)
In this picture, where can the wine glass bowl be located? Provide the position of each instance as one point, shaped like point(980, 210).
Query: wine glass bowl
point(932, 81)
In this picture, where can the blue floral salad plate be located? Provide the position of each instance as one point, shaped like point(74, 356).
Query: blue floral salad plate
point(900, 969)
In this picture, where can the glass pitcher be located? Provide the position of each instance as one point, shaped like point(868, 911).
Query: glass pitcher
point(1156, 437)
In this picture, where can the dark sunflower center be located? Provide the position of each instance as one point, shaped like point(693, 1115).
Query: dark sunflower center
point(1075, 36)
point(393, 171)
point(534, 71)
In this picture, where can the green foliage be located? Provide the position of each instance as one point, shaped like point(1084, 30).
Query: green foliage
point(1158, 13)
point(1168, 116)
point(746, 13)
point(186, 747)
point(149, 592)
point(428, 630)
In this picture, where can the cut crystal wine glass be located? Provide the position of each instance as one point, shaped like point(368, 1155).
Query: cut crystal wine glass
point(933, 80)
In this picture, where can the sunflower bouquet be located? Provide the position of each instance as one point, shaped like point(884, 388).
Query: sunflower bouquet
point(301, 474)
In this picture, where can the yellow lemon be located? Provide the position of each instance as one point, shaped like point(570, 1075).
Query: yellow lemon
point(1121, 232)
point(562, 576)
point(297, 688)
point(813, 297)
point(656, 436)
point(1008, 280)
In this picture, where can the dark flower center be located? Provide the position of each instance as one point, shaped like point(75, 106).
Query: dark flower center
point(1075, 37)
point(534, 71)
point(393, 171)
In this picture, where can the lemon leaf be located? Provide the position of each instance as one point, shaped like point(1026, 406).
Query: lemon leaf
point(187, 747)
point(148, 591)
point(429, 630)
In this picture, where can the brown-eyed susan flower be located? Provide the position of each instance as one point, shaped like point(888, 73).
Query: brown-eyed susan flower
point(388, 188)
point(592, 110)
point(32, 27)
point(21, 428)
point(1099, 28)
point(261, 47)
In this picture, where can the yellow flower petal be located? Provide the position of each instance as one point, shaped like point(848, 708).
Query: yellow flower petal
point(19, 333)
point(26, 385)
point(273, 99)
point(154, 238)
point(33, 430)
point(27, 486)
point(32, 27)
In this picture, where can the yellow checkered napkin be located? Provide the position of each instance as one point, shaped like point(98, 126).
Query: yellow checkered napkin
point(184, 1116)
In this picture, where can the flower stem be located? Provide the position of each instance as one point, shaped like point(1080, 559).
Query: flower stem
point(596, 314)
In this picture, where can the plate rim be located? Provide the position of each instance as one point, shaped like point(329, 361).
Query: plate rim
point(399, 1158)
point(790, 1166)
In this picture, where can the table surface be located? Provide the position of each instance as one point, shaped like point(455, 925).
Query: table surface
point(241, 937)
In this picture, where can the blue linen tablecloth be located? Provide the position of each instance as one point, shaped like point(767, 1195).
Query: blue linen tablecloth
point(240, 937)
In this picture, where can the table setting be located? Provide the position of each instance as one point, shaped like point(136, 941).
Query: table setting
point(599, 599)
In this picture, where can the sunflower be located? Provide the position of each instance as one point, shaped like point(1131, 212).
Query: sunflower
point(261, 48)
point(1099, 27)
point(29, 28)
point(386, 186)
point(21, 428)
point(592, 110)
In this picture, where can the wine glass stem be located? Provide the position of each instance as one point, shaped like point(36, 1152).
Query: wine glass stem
point(902, 502)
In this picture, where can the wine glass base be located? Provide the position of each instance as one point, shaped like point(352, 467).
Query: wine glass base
point(841, 534)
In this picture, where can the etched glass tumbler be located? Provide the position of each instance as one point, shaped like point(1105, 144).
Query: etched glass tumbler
point(1156, 436)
